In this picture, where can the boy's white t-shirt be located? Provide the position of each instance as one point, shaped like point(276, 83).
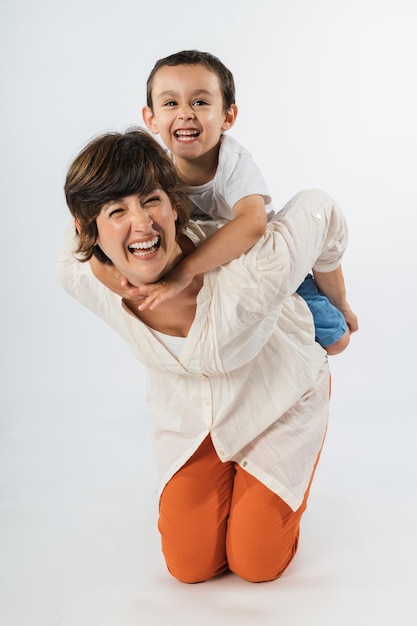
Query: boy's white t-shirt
point(237, 176)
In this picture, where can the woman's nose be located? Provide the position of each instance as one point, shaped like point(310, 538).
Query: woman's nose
point(141, 220)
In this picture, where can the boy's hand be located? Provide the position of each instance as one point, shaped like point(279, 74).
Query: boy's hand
point(351, 319)
point(156, 293)
point(149, 296)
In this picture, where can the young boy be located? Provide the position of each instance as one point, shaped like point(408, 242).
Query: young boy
point(191, 104)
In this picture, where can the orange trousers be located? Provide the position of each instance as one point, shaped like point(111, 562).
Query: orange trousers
point(215, 517)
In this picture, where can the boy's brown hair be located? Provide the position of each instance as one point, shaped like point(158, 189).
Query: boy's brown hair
point(195, 57)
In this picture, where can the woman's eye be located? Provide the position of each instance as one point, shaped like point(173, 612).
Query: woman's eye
point(151, 201)
point(115, 212)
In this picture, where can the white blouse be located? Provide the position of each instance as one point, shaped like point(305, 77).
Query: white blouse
point(173, 344)
point(249, 372)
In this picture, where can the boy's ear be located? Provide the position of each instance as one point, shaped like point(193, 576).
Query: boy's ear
point(149, 119)
point(230, 117)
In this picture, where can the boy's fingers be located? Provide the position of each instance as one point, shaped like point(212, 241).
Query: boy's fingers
point(151, 301)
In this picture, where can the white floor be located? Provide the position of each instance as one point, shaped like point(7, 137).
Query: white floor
point(78, 538)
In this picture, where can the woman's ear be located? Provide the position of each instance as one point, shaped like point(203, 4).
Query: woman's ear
point(230, 117)
point(149, 119)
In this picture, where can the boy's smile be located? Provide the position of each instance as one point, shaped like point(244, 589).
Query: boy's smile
point(186, 135)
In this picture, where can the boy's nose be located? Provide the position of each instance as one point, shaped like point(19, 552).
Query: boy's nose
point(186, 112)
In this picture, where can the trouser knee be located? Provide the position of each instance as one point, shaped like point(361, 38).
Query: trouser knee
point(192, 569)
point(255, 567)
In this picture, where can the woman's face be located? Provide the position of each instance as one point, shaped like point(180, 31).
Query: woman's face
point(138, 235)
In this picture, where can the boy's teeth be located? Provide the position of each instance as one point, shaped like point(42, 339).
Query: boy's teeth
point(186, 133)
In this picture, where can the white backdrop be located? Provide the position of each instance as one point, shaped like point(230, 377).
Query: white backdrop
point(327, 97)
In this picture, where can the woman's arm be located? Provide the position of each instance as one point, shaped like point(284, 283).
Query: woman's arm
point(77, 277)
point(309, 232)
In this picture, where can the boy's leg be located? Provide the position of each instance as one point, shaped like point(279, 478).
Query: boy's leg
point(329, 323)
point(193, 514)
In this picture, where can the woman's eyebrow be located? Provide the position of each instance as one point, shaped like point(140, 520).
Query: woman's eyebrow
point(108, 205)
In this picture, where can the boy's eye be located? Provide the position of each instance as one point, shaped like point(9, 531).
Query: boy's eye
point(170, 103)
point(199, 103)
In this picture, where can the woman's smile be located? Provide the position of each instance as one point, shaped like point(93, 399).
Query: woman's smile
point(143, 249)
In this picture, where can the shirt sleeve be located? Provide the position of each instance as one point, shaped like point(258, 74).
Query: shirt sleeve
point(309, 232)
point(78, 280)
point(238, 175)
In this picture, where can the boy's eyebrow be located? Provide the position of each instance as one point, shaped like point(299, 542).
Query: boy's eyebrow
point(171, 93)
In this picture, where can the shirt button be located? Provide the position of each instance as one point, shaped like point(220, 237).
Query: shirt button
point(244, 464)
point(318, 216)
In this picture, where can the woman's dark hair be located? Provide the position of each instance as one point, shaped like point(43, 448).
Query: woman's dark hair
point(115, 165)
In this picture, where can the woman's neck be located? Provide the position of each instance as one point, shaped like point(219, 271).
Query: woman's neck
point(175, 315)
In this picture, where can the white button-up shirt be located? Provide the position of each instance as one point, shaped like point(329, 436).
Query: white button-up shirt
point(249, 373)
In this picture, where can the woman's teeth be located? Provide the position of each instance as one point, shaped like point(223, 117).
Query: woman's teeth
point(144, 248)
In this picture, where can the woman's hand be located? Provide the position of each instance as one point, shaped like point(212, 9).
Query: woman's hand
point(113, 280)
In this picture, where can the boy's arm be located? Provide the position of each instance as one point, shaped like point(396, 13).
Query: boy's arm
point(226, 244)
point(230, 241)
point(332, 285)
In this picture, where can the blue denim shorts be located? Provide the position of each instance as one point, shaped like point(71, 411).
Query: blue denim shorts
point(329, 322)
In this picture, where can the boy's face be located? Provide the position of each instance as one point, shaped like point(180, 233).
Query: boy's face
point(188, 110)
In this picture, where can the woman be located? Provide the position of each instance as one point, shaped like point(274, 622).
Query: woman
point(237, 386)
